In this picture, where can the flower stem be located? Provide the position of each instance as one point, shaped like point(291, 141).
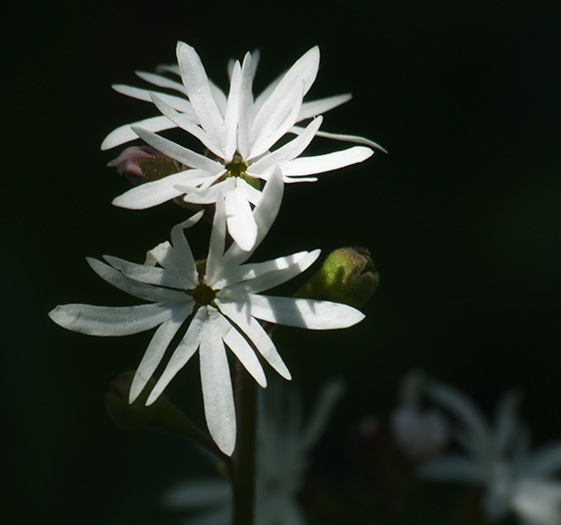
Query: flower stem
point(243, 459)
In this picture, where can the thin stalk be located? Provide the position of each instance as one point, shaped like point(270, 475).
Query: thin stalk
point(243, 459)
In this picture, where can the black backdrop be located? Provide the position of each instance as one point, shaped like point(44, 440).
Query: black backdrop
point(462, 218)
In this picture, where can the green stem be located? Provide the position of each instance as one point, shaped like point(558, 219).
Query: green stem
point(243, 459)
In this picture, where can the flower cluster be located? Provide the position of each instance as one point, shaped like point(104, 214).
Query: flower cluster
point(206, 306)
point(498, 458)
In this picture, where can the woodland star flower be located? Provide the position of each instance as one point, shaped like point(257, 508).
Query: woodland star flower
point(238, 131)
point(218, 305)
point(284, 442)
point(499, 459)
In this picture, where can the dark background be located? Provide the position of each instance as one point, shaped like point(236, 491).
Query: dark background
point(462, 218)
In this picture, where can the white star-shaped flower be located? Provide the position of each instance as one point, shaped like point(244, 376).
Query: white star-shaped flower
point(222, 302)
point(284, 443)
point(238, 131)
point(498, 458)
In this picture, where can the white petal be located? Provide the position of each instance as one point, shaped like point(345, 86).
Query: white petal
point(149, 274)
point(124, 134)
point(136, 288)
point(343, 138)
point(545, 462)
point(264, 214)
point(245, 106)
point(264, 276)
point(289, 151)
point(178, 103)
point(183, 256)
point(240, 347)
point(199, 91)
point(232, 115)
point(475, 426)
point(217, 384)
point(317, 107)
point(239, 217)
point(181, 355)
point(177, 152)
point(214, 264)
point(187, 125)
point(156, 350)
point(161, 81)
point(304, 313)
point(255, 332)
point(275, 118)
point(207, 195)
point(156, 192)
point(108, 320)
point(327, 162)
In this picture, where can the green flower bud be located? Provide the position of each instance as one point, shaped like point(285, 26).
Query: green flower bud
point(347, 276)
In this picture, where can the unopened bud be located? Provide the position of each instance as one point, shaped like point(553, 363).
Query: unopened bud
point(347, 276)
point(140, 164)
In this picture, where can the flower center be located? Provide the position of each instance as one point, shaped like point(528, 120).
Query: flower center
point(237, 168)
point(202, 294)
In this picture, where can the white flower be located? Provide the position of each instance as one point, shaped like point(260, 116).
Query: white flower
point(238, 131)
point(284, 442)
point(498, 458)
point(223, 304)
point(421, 433)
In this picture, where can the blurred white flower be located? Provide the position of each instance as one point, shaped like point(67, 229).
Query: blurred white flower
point(498, 458)
point(238, 131)
point(284, 442)
point(221, 304)
point(420, 432)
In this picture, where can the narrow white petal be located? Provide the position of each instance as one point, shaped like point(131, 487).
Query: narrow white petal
point(136, 288)
point(545, 462)
point(249, 192)
point(156, 349)
point(275, 118)
point(292, 180)
point(214, 263)
point(149, 274)
point(318, 107)
point(108, 320)
point(304, 313)
point(183, 256)
point(216, 383)
point(177, 152)
point(178, 103)
point(161, 81)
point(231, 117)
point(200, 93)
point(255, 332)
point(264, 214)
point(156, 192)
point(168, 68)
point(327, 162)
point(181, 355)
point(124, 134)
point(342, 137)
point(239, 217)
point(240, 347)
point(205, 194)
point(264, 276)
point(465, 410)
point(245, 106)
point(187, 125)
point(289, 151)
